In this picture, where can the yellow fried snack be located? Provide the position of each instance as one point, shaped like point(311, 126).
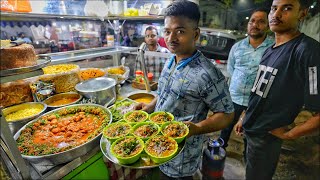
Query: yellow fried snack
point(91, 73)
point(117, 70)
point(60, 68)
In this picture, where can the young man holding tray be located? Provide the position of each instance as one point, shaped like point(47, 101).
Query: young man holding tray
point(189, 86)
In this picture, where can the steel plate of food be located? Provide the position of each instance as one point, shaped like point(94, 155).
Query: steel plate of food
point(63, 134)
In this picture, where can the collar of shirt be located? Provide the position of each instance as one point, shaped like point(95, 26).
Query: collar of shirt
point(184, 61)
point(267, 42)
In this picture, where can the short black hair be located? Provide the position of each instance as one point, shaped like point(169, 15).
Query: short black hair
point(150, 28)
point(184, 8)
point(305, 4)
point(261, 9)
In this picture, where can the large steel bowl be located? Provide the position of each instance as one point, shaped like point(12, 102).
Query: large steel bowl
point(142, 97)
point(17, 124)
point(60, 96)
point(102, 90)
point(65, 156)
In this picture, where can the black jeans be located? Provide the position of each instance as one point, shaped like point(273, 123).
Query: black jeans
point(263, 153)
point(157, 174)
point(165, 177)
point(225, 133)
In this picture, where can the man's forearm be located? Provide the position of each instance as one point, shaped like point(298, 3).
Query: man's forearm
point(214, 123)
point(308, 127)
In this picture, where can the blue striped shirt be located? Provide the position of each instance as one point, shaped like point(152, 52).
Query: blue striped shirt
point(188, 90)
point(243, 63)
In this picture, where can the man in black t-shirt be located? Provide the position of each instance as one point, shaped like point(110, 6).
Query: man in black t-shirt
point(287, 80)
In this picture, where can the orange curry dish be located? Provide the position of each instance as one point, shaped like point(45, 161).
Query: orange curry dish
point(161, 146)
point(175, 130)
point(62, 130)
point(63, 101)
point(161, 117)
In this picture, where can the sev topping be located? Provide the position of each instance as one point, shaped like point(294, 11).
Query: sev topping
point(136, 116)
point(127, 147)
point(24, 113)
point(60, 68)
point(175, 130)
point(117, 130)
point(161, 146)
point(91, 73)
point(116, 71)
point(161, 117)
point(146, 130)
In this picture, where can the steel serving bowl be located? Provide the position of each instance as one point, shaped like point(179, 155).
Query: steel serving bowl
point(120, 78)
point(102, 90)
point(17, 124)
point(60, 96)
point(142, 97)
point(69, 155)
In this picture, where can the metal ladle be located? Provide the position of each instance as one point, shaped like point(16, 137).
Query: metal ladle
point(141, 51)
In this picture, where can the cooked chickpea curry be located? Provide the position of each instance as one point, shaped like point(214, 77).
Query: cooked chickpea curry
point(175, 130)
point(127, 147)
point(63, 101)
point(162, 117)
point(136, 116)
point(146, 130)
point(117, 130)
point(62, 130)
point(161, 146)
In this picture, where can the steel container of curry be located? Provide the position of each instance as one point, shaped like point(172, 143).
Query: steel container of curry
point(102, 90)
point(142, 97)
point(62, 99)
point(70, 154)
point(15, 125)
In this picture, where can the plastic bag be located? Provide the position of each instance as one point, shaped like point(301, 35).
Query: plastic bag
point(16, 5)
point(7, 5)
point(96, 8)
point(23, 6)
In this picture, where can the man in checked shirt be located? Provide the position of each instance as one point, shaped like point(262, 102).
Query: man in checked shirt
point(154, 64)
point(189, 86)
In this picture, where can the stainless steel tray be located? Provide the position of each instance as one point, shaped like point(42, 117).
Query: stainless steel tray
point(105, 147)
point(68, 155)
point(41, 62)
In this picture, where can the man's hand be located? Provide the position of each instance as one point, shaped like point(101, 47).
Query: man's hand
point(149, 108)
point(143, 107)
point(193, 128)
point(310, 126)
point(140, 106)
point(238, 128)
point(281, 133)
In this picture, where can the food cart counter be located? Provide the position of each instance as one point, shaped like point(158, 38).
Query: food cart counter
point(81, 166)
point(83, 57)
point(9, 152)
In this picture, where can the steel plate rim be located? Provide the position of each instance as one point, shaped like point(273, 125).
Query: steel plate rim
point(41, 62)
point(104, 150)
point(29, 117)
point(17, 134)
